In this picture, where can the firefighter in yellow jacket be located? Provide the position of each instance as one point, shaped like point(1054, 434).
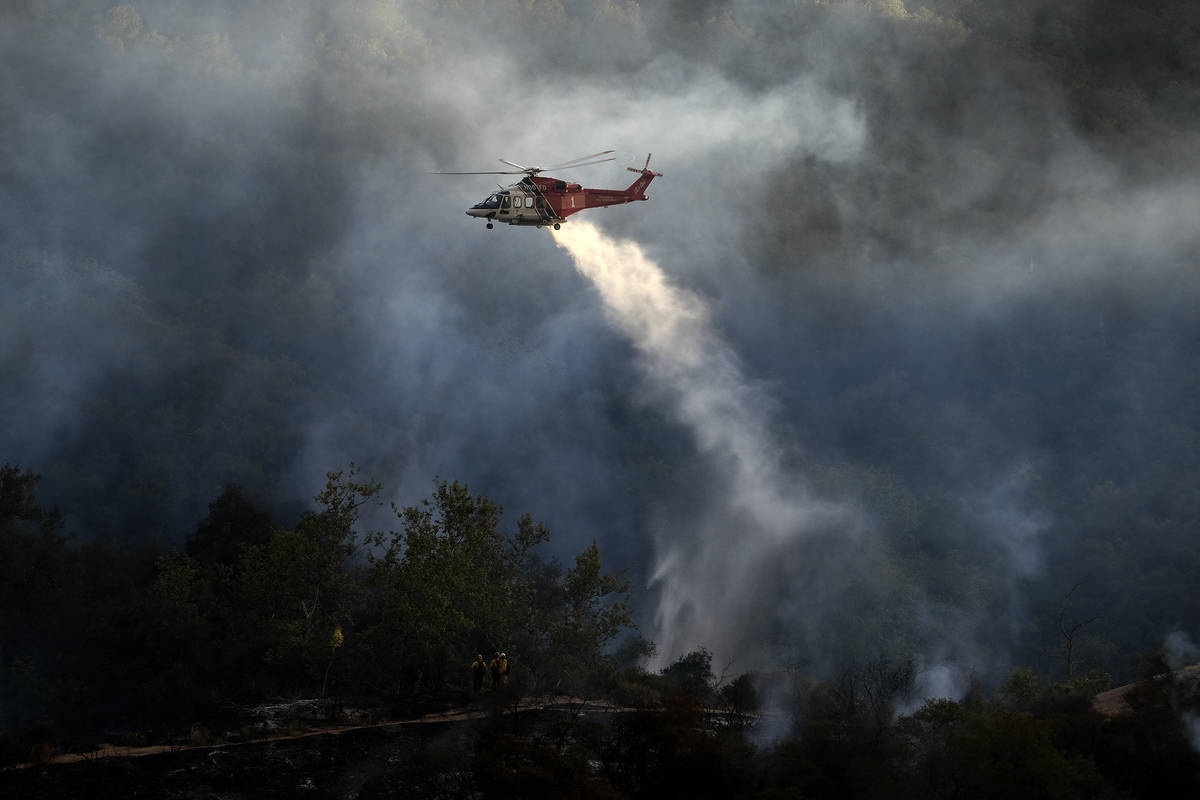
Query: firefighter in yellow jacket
point(479, 668)
point(499, 667)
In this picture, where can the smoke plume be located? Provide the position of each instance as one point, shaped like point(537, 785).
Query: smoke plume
point(706, 571)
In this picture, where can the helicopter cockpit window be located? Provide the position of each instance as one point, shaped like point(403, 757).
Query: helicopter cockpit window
point(491, 202)
point(505, 202)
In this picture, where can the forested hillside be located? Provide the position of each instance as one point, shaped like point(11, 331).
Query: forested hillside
point(176, 649)
point(100, 639)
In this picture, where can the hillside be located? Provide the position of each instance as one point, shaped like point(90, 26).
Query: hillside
point(1184, 688)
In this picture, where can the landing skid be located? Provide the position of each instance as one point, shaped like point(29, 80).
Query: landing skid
point(557, 225)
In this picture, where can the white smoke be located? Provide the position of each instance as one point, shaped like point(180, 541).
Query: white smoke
point(1191, 726)
point(710, 570)
point(1179, 650)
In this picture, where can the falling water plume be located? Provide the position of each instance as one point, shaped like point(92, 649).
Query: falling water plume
point(714, 572)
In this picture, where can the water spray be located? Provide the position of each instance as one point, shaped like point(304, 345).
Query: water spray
point(708, 570)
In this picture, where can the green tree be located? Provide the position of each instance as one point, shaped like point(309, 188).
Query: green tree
point(233, 523)
point(450, 584)
point(953, 750)
point(301, 584)
point(1020, 689)
point(41, 588)
point(446, 585)
point(18, 503)
point(53, 592)
point(691, 675)
point(577, 615)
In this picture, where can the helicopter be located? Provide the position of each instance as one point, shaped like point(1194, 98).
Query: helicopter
point(541, 200)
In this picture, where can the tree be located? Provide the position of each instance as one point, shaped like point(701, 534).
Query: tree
point(578, 614)
point(450, 584)
point(446, 585)
point(691, 675)
point(1020, 689)
point(52, 592)
point(233, 523)
point(41, 581)
point(301, 584)
point(18, 503)
point(953, 750)
point(1070, 633)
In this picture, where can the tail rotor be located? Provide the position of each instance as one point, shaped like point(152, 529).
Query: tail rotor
point(645, 167)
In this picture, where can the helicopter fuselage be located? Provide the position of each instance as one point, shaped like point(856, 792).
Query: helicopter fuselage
point(540, 201)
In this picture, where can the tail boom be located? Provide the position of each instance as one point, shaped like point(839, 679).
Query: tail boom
point(612, 197)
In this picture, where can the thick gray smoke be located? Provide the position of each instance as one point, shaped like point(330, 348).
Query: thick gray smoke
point(936, 263)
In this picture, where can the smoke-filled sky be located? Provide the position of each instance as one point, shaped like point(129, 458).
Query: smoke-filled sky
point(946, 255)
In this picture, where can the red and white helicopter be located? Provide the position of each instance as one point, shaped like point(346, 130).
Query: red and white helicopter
point(537, 200)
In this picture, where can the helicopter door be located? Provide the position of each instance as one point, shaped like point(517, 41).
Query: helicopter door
point(505, 204)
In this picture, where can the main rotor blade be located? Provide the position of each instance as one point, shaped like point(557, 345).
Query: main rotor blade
point(583, 158)
point(523, 170)
point(584, 164)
